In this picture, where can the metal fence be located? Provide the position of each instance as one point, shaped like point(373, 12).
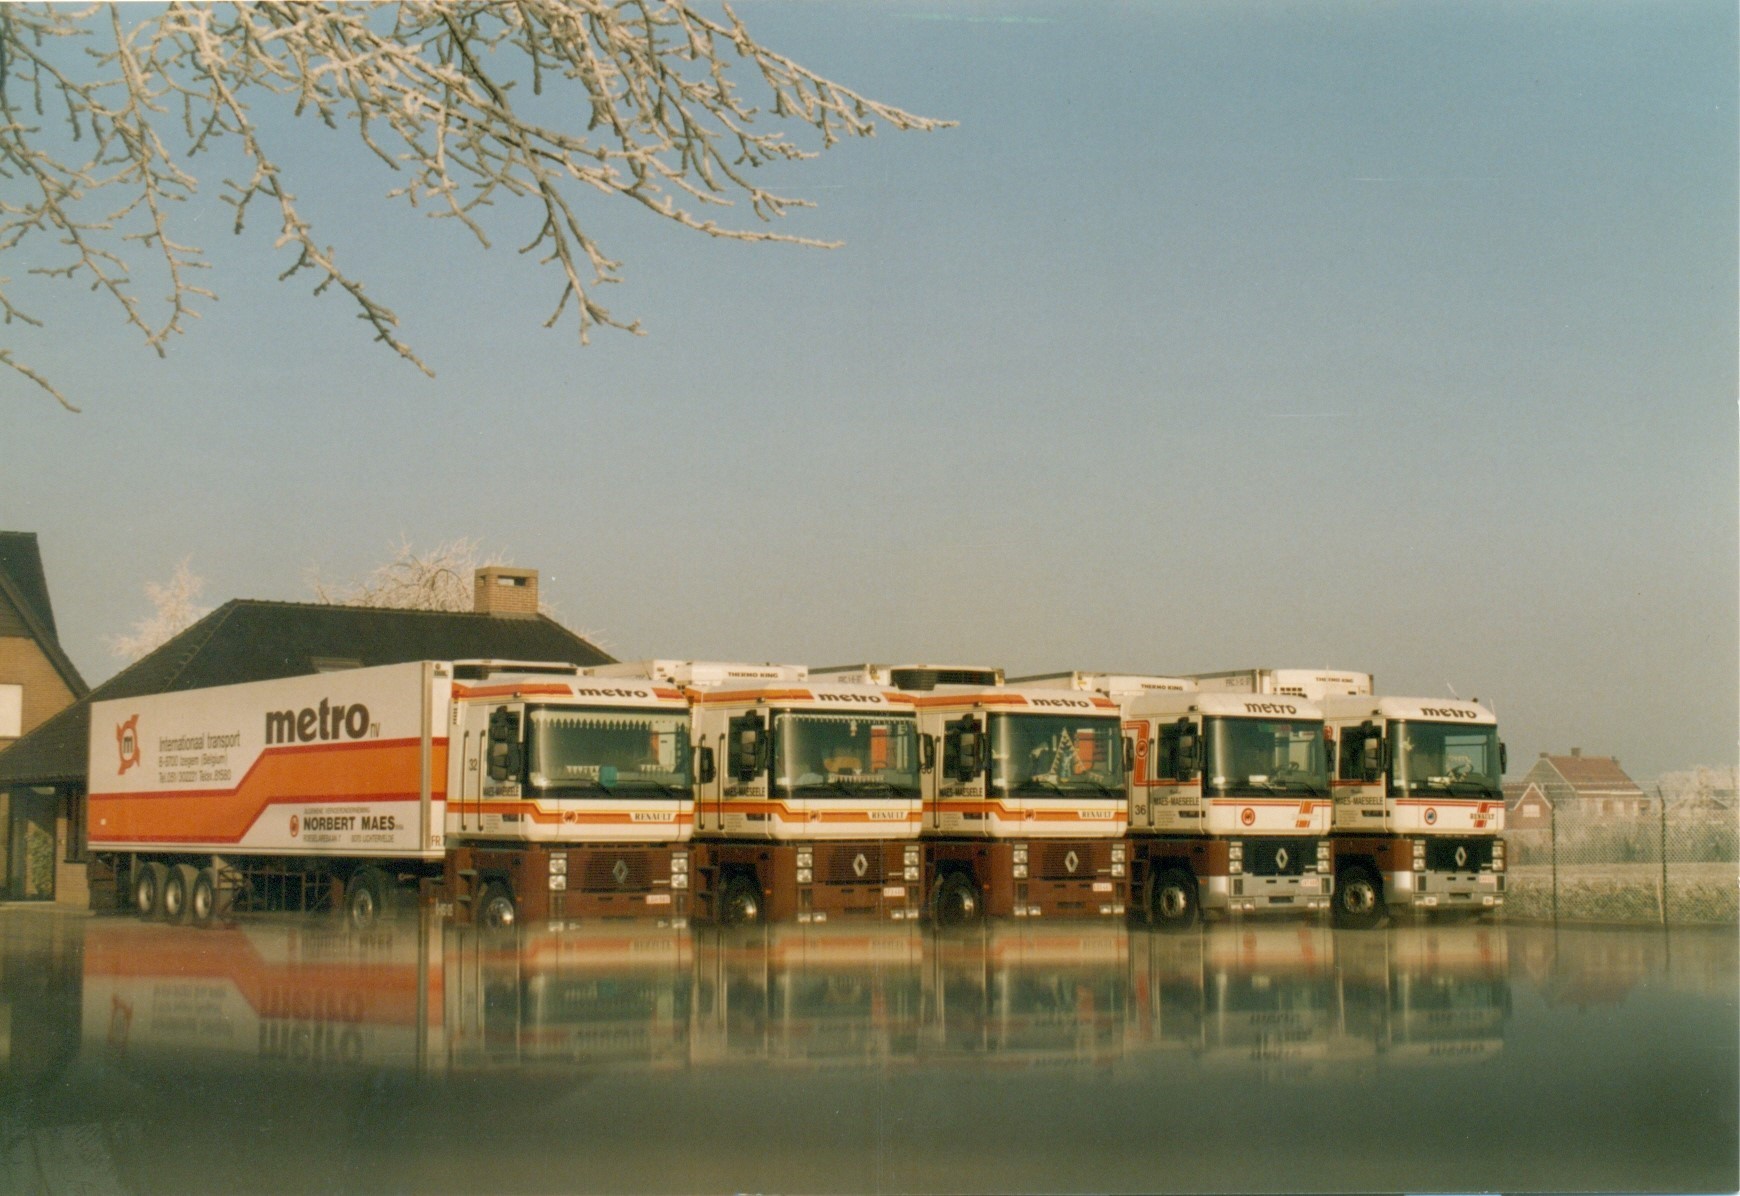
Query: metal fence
point(1675, 865)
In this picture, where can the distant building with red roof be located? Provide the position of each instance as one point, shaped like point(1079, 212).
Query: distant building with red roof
point(1595, 786)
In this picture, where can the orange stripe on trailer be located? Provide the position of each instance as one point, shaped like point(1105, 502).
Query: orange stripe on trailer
point(707, 696)
point(381, 771)
point(537, 689)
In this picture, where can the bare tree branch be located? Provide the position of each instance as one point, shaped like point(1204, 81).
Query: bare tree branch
point(525, 104)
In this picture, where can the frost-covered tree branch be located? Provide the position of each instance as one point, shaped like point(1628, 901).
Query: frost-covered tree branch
point(521, 105)
point(174, 608)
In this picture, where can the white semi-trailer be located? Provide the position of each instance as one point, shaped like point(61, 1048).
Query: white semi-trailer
point(495, 790)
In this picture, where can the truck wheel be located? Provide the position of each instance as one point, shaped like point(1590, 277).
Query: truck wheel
point(956, 900)
point(495, 910)
point(1359, 898)
point(203, 900)
point(148, 881)
point(1173, 903)
point(741, 904)
point(178, 893)
point(365, 897)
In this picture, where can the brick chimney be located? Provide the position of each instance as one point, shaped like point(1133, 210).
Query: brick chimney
point(499, 590)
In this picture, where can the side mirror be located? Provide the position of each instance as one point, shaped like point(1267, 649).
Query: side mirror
point(927, 753)
point(1371, 763)
point(1503, 759)
point(749, 752)
point(708, 768)
point(1189, 756)
point(969, 763)
point(1129, 760)
point(507, 758)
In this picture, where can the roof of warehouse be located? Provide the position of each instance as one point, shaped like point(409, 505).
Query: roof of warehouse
point(249, 640)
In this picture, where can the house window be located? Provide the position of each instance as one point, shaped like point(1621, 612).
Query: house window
point(11, 711)
point(1532, 810)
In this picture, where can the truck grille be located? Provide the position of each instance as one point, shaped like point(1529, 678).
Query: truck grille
point(607, 872)
point(1052, 862)
point(840, 866)
point(1441, 854)
point(1280, 857)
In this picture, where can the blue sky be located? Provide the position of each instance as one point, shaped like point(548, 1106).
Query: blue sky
point(1398, 337)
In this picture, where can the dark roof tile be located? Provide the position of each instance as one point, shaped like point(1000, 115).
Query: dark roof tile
point(247, 640)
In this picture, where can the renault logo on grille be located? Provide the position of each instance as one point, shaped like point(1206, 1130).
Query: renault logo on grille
point(1462, 857)
point(1071, 860)
point(1281, 859)
point(620, 871)
point(860, 865)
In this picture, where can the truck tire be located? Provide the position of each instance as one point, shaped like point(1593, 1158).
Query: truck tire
point(1359, 898)
point(148, 881)
point(178, 893)
point(202, 905)
point(1173, 901)
point(365, 897)
point(495, 908)
point(741, 903)
point(956, 900)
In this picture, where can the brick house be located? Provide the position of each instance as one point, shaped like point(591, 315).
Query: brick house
point(1594, 785)
point(250, 640)
point(37, 682)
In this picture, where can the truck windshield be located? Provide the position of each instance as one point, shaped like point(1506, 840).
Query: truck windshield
point(604, 752)
point(844, 755)
point(1258, 757)
point(1049, 754)
point(1444, 758)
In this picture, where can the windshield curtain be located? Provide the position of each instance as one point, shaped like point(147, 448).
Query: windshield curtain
point(1046, 754)
point(841, 755)
point(1444, 758)
point(609, 751)
point(1260, 757)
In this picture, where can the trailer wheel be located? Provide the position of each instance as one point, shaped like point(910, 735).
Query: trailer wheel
point(1359, 898)
point(1173, 903)
point(203, 900)
point(741, 903)
point(365, 897)
point(148, 883)
point(178, 893)
point(495, 909)
point(956, 900)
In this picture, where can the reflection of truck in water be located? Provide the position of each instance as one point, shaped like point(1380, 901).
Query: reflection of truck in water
point(301, 995)
point(1435, 994)
point(1259, 993)
point(821, 995)
point(495, 790)
point(1017, 994)
point(599, 995)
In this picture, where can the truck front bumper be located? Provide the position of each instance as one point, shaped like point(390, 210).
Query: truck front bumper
point(1251, 894)
point(1444, 890)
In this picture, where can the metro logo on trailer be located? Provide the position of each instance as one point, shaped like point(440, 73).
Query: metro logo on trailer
point(127, 739)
